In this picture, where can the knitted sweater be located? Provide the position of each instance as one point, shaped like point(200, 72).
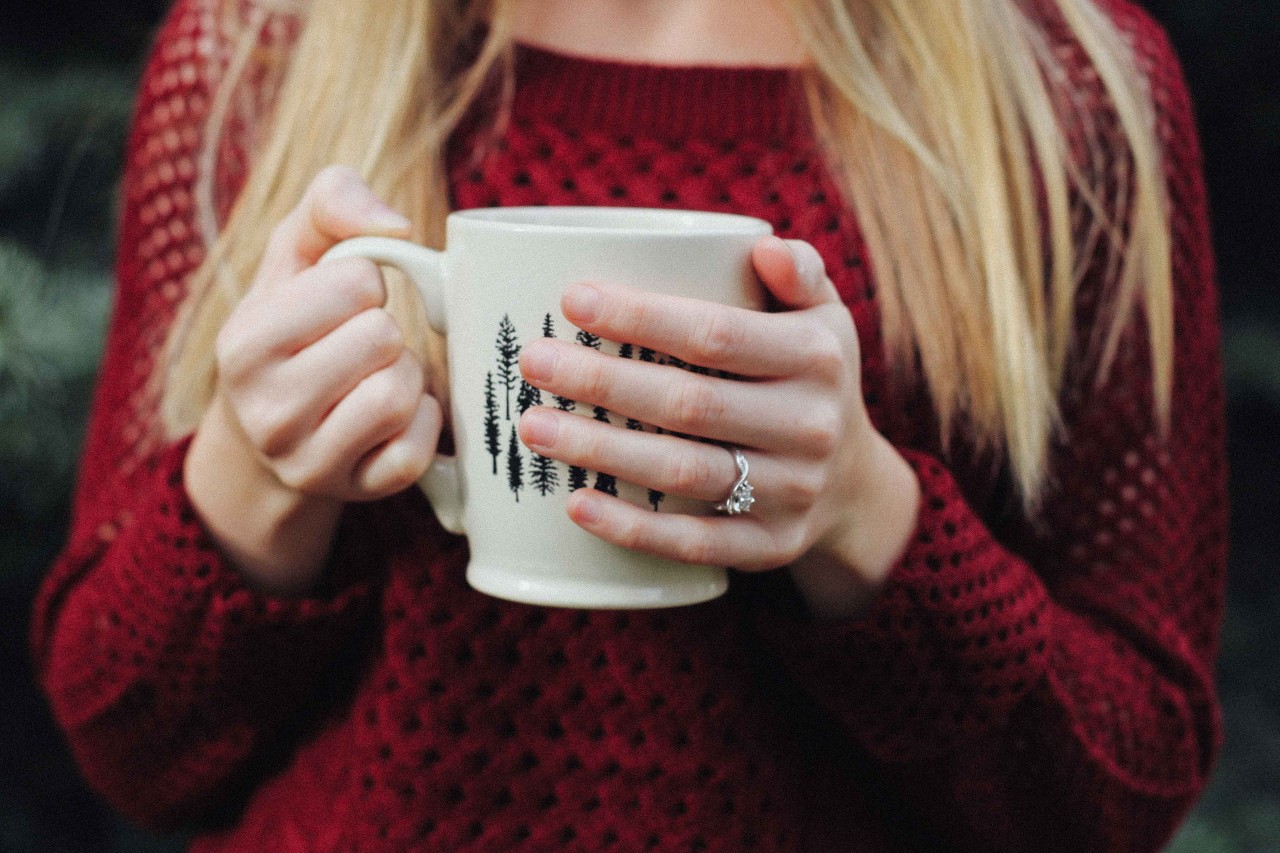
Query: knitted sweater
point(1017, 686)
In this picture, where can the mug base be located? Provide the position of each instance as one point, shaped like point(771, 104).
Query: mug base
point(704, 584)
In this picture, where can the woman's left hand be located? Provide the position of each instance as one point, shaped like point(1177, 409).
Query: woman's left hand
point(818, 467)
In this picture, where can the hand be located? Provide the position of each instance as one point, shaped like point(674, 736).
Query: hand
point(313, 368)
point(317, 400)
point(818, 466)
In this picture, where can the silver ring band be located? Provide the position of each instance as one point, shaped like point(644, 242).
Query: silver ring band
point(740, 498)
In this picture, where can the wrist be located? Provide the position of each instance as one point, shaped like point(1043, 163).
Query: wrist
point(842, 574)
point(277, 537)
point(874, 531)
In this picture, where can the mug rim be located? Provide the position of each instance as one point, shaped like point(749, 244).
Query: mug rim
point(658, 221)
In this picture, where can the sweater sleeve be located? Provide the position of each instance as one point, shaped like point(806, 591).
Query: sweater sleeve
point(166, 672)
point(1054, 690)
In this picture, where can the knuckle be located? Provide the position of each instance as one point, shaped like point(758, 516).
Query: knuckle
point(381, 333)
point(358, 279)
point(301, 476)
point(399, 467)
point(595, 381)
point(826, 353)
point(719, 336)
point(268, 427)
point(821, 431)
point(690, 473)
point(630, 534)
point(389, 400)
point(694, 405)
point(803, 489)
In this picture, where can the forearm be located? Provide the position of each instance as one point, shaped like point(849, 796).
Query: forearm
point(277, 537)
point(832, 576)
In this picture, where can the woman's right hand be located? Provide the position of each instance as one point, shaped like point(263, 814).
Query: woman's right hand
point(318, 401)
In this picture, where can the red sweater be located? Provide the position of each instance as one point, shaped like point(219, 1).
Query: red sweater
point(1017, 686)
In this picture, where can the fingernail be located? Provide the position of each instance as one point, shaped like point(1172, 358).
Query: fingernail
point(808, 262)
point(538, 428)
point(588, 510)
point(538, 360)
point(581, 302)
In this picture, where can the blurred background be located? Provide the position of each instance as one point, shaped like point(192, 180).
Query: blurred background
point(67, 74)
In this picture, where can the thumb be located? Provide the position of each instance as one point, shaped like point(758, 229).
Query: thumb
point(793, 271)
point(337, 205)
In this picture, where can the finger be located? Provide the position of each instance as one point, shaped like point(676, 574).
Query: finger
point(398, 463)
point(747, 414)
point(380, 407)
point(794, 272)
point(336, 206)
point(310, 305)
point(736, 541)
point(720, 337)
point(667, 463)
point(327, 370)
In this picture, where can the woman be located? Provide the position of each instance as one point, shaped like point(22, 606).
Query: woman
point(980, 591)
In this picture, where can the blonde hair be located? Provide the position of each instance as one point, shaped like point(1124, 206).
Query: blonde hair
point(949, 126)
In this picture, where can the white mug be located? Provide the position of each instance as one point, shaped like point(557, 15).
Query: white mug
point(497, 286)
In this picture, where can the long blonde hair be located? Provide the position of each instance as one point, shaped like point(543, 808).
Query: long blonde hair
point(949, 125)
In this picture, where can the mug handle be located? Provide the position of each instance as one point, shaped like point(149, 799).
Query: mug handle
point(442, 482)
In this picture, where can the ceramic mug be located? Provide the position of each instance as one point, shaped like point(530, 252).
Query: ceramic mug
point(498, 285)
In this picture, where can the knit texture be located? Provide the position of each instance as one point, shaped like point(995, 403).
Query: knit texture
point(1016, 686)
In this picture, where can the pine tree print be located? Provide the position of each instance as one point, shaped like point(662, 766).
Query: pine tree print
point(492, 435)
point(624, 351)
point(577, 478)
point(655, 498)
point(564, 404)
point(587, 339)
point(648, 355)
point(601, 414)
point(528, 396)
point(632, 423)
point(607, 483)
point(508, 354)
point(515, 466)
point(544, 477)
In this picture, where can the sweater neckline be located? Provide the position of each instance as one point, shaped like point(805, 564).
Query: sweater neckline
point(581, 92)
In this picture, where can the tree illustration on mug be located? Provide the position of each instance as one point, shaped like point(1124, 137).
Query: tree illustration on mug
point(528, 397)
point(606, 483)
point(508, 355)
point(515, 465)
point(564, 404)
point(492, 435)
point(543, 476)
